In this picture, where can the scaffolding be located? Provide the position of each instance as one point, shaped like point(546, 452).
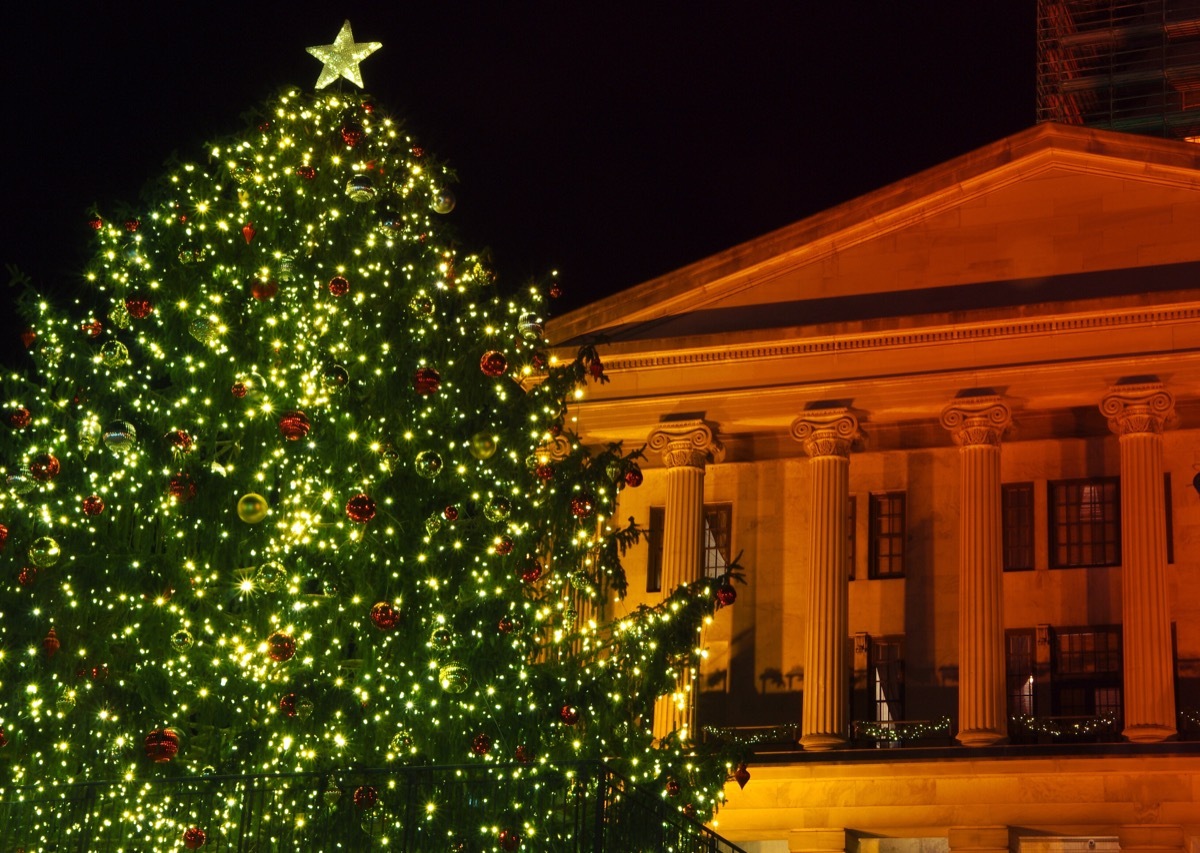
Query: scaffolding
point(1128, 65)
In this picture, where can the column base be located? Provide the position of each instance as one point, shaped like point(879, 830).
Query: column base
point(980, 737)
point(820, 741)
point(1149, 733)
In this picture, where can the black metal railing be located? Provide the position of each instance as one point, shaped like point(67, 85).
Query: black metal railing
point(582, 808)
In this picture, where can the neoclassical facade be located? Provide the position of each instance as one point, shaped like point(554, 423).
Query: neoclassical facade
point(952, 429)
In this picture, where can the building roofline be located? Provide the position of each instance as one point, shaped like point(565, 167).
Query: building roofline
point(1102, 151)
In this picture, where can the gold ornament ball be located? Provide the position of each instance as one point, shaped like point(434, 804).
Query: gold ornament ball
point(483, 445)
point(252, 508)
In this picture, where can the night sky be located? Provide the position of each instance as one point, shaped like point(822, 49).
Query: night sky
point(611, 141)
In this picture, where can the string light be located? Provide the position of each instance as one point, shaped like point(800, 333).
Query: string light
point(266, 409)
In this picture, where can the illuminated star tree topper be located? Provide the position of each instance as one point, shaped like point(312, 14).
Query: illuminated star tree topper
point(342, 57)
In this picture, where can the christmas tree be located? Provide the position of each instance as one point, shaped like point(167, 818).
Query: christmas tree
point(291, 493)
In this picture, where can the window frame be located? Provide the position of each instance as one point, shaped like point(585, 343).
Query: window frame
point(1110, 548)
point(715, 555)
point(891, 677)
point(876, 537)
point(1017, 526)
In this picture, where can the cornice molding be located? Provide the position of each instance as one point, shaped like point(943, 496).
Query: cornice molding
point(922, 336)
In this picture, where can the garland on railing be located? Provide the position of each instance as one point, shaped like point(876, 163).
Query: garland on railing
point(776, 734)
point(1190, 717)
point(1054, 728)
point(900, 730)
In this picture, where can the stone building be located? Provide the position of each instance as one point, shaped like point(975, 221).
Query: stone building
point(952, 428)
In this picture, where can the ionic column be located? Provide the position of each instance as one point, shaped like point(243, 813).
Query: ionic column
point(686, 448)
point(827, 435)
point(977, 424)
point(1137, 413)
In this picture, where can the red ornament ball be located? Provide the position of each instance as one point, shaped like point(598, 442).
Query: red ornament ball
point(238, 390)
point(506, 626)
point(139, 307)
point(182, 488)
point(294, 425)
point(352, 133)
point(93, 505)
point(450, 513)
point(3, 536)
point(532, 571)
point(19, 418)
point(179, 440)
point(385, 616)
point(544, 472)
point(726, 595)
point(417, 151)
point(306, 172)
point(91, 328)
point(96, 223)
point(360, 509)
point(510, 839)
point(27, 575)
point(569, 714)
point(44, 467)
point(673, 788)
point(287, 704)
point(194, 838)
point(281, 646)
point(583, 505)
point(338, 286)
point(555, 290)
point(264, 290)
point(504, 545)
point(426, 381)
point(132, 225)
point(3, 738)
point(689, 809)
point(162, 745)
point(633, 477)
point(523, 754)
point(366, 797)
point(493, 363)
point(481, 744)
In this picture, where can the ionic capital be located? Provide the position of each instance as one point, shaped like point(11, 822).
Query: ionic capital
point(974, 421)
point(1138, 408)
point(826, 432)
point(686, 444)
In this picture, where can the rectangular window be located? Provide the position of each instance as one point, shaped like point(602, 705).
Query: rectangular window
point(851, 534)
point(887, 534)
point(1016, 501)
point(714, 552)
point(715, 538)
point(654, 560)
point(1019, 662)
point(1085, 523)
point(1087, 672)
point(887, 678)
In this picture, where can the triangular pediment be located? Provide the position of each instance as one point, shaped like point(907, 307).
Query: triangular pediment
point(1046, 215)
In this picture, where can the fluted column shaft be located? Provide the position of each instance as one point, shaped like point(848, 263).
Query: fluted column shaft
point(827, 435)
point(977, 424)
point(686, 448)
point(1137, 413)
